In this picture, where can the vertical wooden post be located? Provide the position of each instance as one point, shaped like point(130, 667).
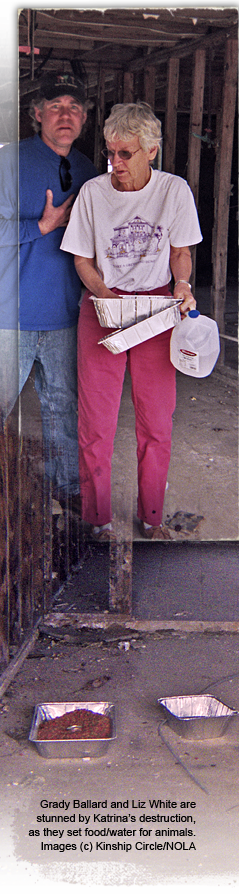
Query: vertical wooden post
point(194, 143)
point(128, 86)
point(99, 120)
point(169, 148)
point(121, 547)
point(118, 87)
point(120, 578)
point(149, 86)
point(222, 186)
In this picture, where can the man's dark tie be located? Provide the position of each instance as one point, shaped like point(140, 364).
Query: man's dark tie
point(65, 176)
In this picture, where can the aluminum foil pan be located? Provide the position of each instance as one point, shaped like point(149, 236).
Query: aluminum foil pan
point(123, 339)
point(196, 716)
point(69, 748)
point(123, 311)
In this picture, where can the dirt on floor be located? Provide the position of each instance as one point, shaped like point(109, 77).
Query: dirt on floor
point(156, 807)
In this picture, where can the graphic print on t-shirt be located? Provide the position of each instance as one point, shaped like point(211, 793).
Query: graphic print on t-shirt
point(130, 233)
point(135, 240)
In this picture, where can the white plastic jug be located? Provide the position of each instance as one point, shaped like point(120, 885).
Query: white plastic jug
point(195, 345)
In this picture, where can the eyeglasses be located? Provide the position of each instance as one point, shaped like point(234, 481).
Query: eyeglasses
point(64, 172)
point(123, 154)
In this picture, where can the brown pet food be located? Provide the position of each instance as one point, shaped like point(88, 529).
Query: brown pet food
point(78, 724)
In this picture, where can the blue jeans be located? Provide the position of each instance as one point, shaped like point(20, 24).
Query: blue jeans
point(55, 356)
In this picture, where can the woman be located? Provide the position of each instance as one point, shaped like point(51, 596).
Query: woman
point(130, 232)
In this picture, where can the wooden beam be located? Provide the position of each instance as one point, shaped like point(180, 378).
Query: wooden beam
point(99, 120)
point(222, 185)
point(195, 131)
point(106, 621)
point(185, 48)
point(128, 86)
point(120, 576)
point(119, 87)
point(195, 125)
point(149, 85)
point(121, 545)
point(169, 147)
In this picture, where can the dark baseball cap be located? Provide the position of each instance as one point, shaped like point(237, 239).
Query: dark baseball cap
point(60, 84)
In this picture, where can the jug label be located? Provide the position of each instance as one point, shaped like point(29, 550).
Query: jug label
point(189, 359)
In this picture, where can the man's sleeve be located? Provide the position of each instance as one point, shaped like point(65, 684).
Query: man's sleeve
point(12, 230)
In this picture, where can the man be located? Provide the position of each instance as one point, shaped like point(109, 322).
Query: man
point(51, 172)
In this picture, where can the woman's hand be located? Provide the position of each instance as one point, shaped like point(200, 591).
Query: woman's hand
point(85, 268)
point(181, 266)
point(182, 292)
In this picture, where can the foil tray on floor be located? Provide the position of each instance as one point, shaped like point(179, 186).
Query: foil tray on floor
point(196, 716)
point(71, 748)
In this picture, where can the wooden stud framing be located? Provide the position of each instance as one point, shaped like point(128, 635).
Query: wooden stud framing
point(25, 556)
point(128, 86)
point(118, 87)
point(99, 120)
point(183, 48)
point(120, 574)
point(222, 185)
point(169, 149)
point(121, 546)
point(149, 86)
point(195, 127)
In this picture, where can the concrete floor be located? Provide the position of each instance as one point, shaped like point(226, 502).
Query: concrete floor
point(140, 765)
point(132, 670)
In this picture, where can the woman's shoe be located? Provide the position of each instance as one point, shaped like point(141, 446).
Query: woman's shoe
point(157, 532)
point(102, 533)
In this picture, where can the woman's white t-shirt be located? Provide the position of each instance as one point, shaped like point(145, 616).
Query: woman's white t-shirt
point(130, 233)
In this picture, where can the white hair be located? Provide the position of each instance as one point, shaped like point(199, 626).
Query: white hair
point(133, 119)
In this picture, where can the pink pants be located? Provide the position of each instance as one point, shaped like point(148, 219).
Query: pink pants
point(100, 382)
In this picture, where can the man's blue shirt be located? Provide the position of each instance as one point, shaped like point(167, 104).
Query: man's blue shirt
point(45, 277)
